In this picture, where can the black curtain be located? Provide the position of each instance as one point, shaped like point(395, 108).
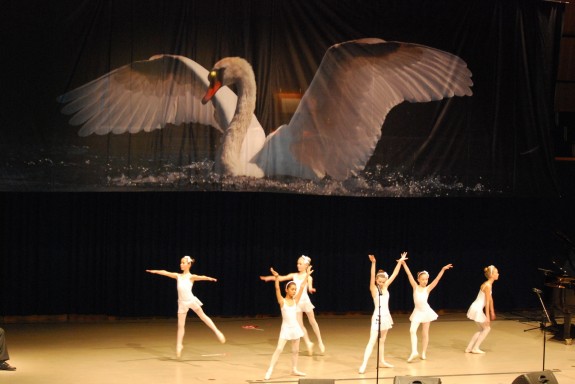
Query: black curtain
point(86, 253)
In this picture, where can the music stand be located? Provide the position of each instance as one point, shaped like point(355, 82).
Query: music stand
point(542, 324)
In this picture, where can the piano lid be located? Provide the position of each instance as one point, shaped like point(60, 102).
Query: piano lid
point(564, 261)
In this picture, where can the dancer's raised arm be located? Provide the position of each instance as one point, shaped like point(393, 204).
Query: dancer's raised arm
point(173, 275)
point(396, 269)
point(439, 275)
point(279, 296)
point(203, 278)
point(372, 287)
point(287, 277)
point(409, 275)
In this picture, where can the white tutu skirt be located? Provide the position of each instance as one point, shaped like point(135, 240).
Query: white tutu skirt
point(476, 313)
point(291, 332)
point(386, 322)
point(184, 306)
point(423, 315)
point(305, 306)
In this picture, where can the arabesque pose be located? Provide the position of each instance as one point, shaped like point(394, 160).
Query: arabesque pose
point(187, 300)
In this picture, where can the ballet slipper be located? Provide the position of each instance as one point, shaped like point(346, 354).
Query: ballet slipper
point(467, 350)
point(362, 370)
point(295, 372)
point(423, 356)
point(322, 348)
point(221, 337)
point(412, 357)
point(268, 374)
point(309, 348)
point(385, 364)
point(477, 351)
point(179, 351)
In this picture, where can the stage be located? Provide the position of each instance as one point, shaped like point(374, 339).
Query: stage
point(143, 351)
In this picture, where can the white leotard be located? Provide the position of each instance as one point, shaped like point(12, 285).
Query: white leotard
point(422, 313)
point(475, 311)
point(290, 329)
point(386, 320)
point(186, 299)
point(304, 304)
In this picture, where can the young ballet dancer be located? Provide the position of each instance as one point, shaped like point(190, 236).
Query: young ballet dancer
point(187, 300)
point(290, 329)
point(484, 301)
point(304, 305)
point(422, 312)
point(378, 287)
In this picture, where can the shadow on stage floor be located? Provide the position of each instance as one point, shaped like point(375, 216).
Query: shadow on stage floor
point(143, 351)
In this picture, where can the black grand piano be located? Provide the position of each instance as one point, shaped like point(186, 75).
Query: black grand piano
point(559, 289)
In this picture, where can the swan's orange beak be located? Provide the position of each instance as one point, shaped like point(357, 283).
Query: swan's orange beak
point(215, 85)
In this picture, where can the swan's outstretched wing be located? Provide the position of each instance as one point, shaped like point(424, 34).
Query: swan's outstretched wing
point(149, 94)
point(142, 96)
point(338, 123)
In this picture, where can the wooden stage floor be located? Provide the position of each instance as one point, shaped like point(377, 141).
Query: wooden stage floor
point(143, 352)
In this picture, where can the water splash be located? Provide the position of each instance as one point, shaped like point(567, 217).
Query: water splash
point(92, 173)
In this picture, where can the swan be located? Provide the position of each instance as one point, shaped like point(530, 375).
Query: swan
point(333, 131)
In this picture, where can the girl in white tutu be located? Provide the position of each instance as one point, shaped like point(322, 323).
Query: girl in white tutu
point(290, 329)
point(422, 313)
point(378, 284)
point(187, 300)
point(304, 305)
point(483, 302)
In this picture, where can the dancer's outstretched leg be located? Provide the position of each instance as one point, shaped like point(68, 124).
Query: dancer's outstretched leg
point(368, 350)
point(275, 356)
point(413, 335)
point(201, 314)
point(180, 334)
point(306, 339)
point(315, 326)
point(424, 339)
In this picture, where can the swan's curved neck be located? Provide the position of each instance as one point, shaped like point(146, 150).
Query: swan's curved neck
point(243, 77)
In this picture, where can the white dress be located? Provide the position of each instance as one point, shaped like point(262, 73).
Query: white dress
point(290, 329)
point(422, 313)
point(304, 304)
point(186, 299)
point(475, 311)
point(386, 320)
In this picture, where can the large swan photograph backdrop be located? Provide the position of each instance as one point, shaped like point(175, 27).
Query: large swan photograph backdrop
point(386, 99)
point(332, 133)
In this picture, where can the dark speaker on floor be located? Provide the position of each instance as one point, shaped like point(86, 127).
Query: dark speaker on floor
point(416, 380)
point(541, 377)
point(316, 381)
